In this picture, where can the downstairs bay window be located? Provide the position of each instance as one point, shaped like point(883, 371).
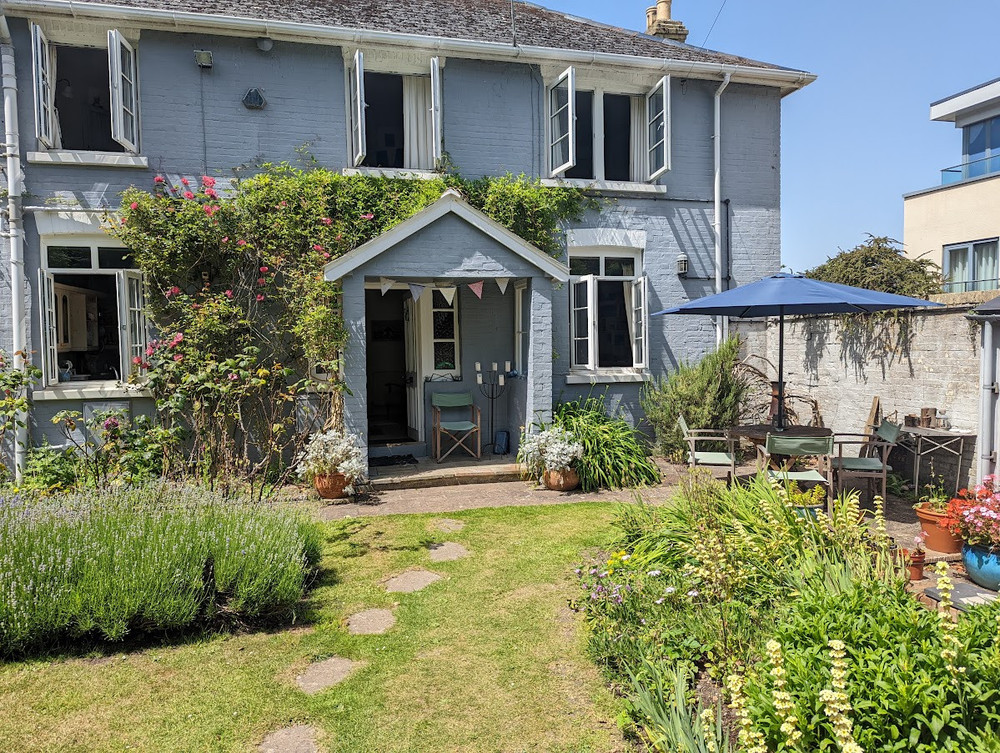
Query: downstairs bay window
point(609, 318)
point(92, 316)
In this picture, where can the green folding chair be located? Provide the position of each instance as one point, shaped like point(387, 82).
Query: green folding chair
point(458, 431)
point(792, 447)
point(872, 461)
point(708, 458)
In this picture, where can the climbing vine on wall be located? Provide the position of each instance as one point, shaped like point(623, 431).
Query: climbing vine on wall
point(234, 287)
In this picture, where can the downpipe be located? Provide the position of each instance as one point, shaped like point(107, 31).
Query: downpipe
point(722, 322)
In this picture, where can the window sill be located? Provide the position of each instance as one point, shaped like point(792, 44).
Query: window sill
point(606, 186)
point(385, 172)
point(87, 159)
point(608, 377)
point(89, 391)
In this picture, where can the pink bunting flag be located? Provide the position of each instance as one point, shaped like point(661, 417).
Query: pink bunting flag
point(477, 288)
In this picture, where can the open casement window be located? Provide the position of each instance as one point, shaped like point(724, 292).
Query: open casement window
point(584, 322)
point(42, 59)
point(50, 341)
point(437, 113)
point(658, 122)
point(124, 91)
point(358, 127)
point(132, 320)
point(562, 123)
point(638, 321)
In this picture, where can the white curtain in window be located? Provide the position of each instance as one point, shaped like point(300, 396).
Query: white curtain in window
point(958, 269)
point(986, 265)
point(418, 140)
point(637, 139)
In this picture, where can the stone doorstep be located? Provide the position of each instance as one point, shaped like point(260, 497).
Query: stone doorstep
point(446, 476)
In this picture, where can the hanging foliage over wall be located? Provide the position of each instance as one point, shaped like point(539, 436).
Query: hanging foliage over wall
point(234, 288)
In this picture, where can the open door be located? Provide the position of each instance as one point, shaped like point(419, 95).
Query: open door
point(414, 379)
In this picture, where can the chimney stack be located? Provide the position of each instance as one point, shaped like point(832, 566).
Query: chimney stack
point(659, 23)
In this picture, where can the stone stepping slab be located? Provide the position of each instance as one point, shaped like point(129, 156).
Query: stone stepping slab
point(411, 581)
point(449, 525)
point(298, 739)
point(447, 552)
point(964, 595)
point(325, 674)
point(371, 622)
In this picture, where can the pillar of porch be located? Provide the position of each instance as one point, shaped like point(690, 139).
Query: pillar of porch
point(355, 359)
point(538, 407)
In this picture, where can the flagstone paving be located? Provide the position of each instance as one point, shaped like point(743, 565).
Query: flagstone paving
point(298, 739)
point(447, 552)
point(370, 622)
point(325, 674)
point(411, 581)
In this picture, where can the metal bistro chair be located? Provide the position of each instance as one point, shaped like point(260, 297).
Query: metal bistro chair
point(459, 431)
point(872, 462)
point(793, 447)
point(712, 459)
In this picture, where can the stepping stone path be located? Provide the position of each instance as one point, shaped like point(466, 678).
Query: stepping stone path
point(298, 739)
point(370, 622)
point(449, 525)
point(410, 581)
point(325, 674)
point(447, 552)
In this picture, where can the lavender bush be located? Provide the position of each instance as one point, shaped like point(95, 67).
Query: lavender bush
point(145, 559)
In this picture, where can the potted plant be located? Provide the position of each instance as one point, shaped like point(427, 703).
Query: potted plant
point(333, 462)
point(932, 512)
point(917, 557)
point(807, 504)
point(974, 516)
point(550, 456)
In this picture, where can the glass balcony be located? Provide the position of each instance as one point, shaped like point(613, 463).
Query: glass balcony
point(974, 169)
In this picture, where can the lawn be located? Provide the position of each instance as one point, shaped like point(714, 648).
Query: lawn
point(487, 659)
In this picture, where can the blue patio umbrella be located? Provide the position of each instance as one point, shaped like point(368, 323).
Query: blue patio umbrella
point(790, 294)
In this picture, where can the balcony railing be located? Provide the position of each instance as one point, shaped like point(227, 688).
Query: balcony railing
point(966, 286)
point(976, 168)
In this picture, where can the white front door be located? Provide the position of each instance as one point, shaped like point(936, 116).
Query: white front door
point(414, 378)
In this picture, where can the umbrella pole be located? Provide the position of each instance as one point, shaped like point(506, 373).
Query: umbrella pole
point(781, 372)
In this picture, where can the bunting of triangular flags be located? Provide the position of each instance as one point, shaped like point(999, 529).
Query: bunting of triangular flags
point(416, 290)
point(477, 288)
point(385, 284)
point(448, 293)
point(502, 284)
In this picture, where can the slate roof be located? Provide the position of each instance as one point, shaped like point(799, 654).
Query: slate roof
point(475, 20)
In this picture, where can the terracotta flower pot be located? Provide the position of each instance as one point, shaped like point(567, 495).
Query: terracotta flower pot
point(562, 481)
point(915, 562)
point(331, 485)
point(939, 538)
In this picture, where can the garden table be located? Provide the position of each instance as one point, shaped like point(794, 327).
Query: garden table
point(757, 434)
point(920, 441)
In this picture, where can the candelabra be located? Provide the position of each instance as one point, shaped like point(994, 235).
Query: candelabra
point(492, 384)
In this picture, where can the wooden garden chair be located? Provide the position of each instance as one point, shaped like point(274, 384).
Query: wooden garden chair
point(459, 431)
point(712, 459)
point(872, 460)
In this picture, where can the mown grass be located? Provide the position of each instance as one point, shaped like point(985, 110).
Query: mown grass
point(487, 659)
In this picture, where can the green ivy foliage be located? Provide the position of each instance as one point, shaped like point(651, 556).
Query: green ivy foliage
point(235, 287)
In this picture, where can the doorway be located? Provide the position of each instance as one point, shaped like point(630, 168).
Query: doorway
point(388, 400)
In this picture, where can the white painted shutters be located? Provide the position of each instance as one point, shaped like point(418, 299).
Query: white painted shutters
point(124, 91)
point(437, 113)
point(358, 126)
point(41, 56)
point(658, 122)
point(562, 123)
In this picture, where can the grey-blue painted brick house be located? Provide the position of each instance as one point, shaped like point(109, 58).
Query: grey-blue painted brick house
point(680, 145)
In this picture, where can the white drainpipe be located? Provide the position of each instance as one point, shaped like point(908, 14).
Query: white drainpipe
point(722, 323)
point(987, 410)
point(15, 228)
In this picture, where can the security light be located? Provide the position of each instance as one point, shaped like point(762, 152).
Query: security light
point(203, 58)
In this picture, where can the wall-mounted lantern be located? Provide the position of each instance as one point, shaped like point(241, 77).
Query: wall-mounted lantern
point(682, 265)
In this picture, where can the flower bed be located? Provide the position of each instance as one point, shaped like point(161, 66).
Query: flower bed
point(145, 560)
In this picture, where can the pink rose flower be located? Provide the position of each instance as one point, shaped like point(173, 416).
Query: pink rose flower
point(263, 269)
point(326, 221)
point(367, 216)
point(261, 281)
point(241, 243)
point(211, 193)
point(188, 195)
point(159, 179)
point(133, 206)
point(185, 181)
point(229, 294)
point(178, 357)
point(208, 181)
point(260, 297)
point(225, 239)
point(317, 247)
point(136, 360)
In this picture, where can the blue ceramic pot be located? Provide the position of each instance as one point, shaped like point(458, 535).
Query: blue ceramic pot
point(982, 565)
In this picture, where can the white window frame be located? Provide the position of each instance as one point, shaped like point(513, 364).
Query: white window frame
point(568, 79)
point(124, 90)
point(41, 63)
point(437, 112)
point(357, 105)
point(130, 307)
point(521, 328)
point(638, 312)
point(426, 319)
point(664, 119)
point(971, 281)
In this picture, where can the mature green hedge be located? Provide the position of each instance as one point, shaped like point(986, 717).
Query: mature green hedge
point(145, 560)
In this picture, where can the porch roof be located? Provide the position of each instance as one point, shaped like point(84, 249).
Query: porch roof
point(451, 202)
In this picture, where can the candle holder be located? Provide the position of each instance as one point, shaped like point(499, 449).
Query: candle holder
point(492, 384)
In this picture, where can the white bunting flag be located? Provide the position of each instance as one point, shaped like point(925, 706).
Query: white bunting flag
point(416, 290)
point(385, 284)
point(502, 284)
point(448, 293)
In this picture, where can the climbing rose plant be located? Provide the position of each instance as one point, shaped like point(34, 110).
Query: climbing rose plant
point(235, 291)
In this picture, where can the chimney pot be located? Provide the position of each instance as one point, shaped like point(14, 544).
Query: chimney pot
point(650, 18)
point(663, 10)
point(660, 24)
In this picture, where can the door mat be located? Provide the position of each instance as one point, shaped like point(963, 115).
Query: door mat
point(391, 460)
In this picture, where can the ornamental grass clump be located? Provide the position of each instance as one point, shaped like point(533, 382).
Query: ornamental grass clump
point(145, 560)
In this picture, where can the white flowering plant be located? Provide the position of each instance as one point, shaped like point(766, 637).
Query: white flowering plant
point(553, 449)
point(331, 452)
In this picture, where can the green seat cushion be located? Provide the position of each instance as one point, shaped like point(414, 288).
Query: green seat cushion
point(711, 458)
point(868, 465)
point(458, 425)
point(796, 475)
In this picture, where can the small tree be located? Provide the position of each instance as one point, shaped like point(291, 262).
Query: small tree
point(880, 264)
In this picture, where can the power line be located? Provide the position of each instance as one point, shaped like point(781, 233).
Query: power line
point(714, 22)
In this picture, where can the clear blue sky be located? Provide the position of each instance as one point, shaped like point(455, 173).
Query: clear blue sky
point(859, 137)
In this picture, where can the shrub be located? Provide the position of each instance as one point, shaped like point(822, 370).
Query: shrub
point(332, 452)
point(614, 453)
point(554, 449)
point(708, 394)
point(145, 560)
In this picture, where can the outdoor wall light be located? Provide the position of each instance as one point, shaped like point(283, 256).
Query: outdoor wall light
point(682, 265)
point(254, 99)
point(203, 58)
point(265, 44)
